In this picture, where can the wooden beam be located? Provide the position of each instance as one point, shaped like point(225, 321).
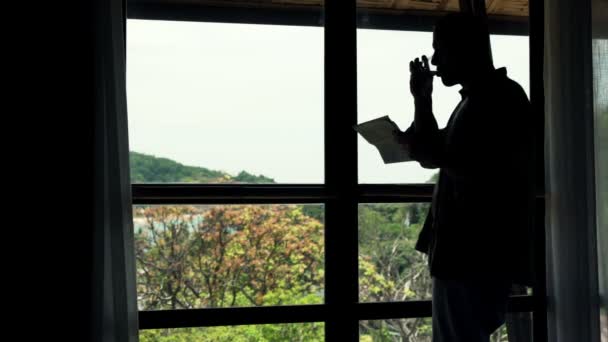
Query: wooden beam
point(442, 5)
point(491, 7)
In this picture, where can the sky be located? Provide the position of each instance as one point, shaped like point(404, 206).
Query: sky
point(236, 97)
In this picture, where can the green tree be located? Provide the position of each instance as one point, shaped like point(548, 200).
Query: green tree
point(390, 269)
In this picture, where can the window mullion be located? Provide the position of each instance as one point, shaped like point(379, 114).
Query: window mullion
point(341, 240)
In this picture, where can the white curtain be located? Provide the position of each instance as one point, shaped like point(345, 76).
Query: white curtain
point(114, 298)
point(572, 268)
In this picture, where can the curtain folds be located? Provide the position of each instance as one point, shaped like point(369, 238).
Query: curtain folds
point(114, 292)
point(569, 167)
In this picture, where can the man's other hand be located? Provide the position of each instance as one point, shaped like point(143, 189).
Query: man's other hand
point(406, 139)
point(403, 138)
point(413, 145)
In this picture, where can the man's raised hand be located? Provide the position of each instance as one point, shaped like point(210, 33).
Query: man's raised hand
point(421, 78)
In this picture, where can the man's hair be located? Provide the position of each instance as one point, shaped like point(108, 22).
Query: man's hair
point(465, 31)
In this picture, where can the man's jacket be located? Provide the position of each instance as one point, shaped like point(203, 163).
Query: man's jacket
point(481, 220)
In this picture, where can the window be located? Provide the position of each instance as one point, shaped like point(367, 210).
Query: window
point(211, 256)
point(255, 205)
point(220, 96)
point(390, 269)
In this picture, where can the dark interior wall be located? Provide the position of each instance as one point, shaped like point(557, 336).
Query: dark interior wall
point(57, 110)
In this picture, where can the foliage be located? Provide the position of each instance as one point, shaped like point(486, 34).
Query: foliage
point(193, 257)
point(396, 330)
point(390, 269)
point(305, 332)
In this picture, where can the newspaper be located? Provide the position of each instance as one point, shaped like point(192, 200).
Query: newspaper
point(381, 132)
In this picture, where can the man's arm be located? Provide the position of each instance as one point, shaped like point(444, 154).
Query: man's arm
point(421, 87)
point(423, 138)
point(427, 148)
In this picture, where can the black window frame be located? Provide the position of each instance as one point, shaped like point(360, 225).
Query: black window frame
point(341, 193)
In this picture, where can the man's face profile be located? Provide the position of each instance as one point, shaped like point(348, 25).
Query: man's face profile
point(462, 49)
point(446, 60)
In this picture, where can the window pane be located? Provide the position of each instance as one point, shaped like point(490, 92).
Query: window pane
point(383, 89)
point(309, 332)
point(225, 103)
point(228, 255)
point(390, 269)
point(396, 330)
point(516, 329)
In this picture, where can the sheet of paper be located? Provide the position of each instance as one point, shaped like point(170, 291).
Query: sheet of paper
point(380, 133)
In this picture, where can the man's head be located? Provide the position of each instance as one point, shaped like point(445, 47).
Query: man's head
point(462, 48)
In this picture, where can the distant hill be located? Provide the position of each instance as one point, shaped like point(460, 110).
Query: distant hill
point(151, 169)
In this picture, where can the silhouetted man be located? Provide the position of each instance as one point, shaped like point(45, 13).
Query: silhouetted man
point(477, 233)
